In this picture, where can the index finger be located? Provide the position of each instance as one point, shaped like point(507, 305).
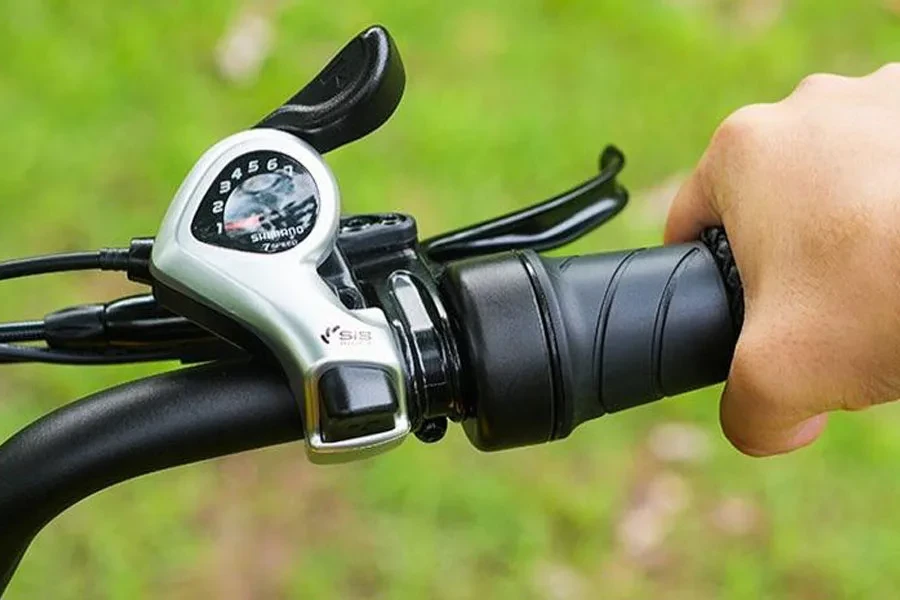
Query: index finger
point(692, 210)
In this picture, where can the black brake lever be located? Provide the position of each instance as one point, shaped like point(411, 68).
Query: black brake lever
point(352, 97)
point(544, 226)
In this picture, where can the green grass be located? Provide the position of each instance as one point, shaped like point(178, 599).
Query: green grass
point(105, 105)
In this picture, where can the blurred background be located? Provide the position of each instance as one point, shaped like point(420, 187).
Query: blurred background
point(104, 107)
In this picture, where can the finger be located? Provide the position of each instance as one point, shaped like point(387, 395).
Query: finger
point(711, 188)
point(761, 419)
point(758, 434)
point(692, 210)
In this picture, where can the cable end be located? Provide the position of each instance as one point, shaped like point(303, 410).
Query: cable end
point(138, 260)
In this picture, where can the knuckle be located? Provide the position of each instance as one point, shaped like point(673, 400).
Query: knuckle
point(742, 131)
point(819, 82)
point(891, 69)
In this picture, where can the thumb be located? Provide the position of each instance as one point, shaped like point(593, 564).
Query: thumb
point(761, 418)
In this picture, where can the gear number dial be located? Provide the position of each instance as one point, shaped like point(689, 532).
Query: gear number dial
point(263, 202)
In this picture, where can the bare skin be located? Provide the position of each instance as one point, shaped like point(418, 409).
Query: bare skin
point(808, 190)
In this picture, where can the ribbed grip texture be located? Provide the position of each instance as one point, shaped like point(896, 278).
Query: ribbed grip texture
point(637, 326)
point(548, 343)
point(716, 240)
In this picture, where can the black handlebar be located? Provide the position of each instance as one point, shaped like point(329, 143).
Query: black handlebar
point(545, 343)
point(520, 348)
point(150, 425)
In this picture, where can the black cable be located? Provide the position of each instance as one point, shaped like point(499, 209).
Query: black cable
point(53, 263)
point(10, 353)
point(134, 260)
point(107, 259)
point(23, 331)
point(30, 331)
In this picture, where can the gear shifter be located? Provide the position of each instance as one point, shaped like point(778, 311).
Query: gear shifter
point(352, 97)
point(240, 250)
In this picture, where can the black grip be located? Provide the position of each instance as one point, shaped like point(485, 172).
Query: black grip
point(638, 326)
point(149, 425)
point(549, 343)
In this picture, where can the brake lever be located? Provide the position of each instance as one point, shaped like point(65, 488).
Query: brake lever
point(544, 226)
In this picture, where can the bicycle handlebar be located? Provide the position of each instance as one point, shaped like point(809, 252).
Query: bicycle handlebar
point(520, 348)
point(545, 344)
point(149, 425)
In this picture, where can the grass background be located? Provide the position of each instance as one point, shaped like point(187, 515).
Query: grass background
point(105, 105)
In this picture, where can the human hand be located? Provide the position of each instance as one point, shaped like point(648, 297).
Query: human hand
point(808, 190)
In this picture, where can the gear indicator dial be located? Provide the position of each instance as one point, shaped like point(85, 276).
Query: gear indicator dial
point(263, 202)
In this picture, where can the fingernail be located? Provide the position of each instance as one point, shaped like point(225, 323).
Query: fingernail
point(809, 430)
